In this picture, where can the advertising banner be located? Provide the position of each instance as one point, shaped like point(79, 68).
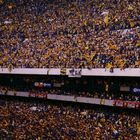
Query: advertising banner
point(119, 103)
point(124, 88)
point(42, 85)
point(136, 90)
point(127, 104)
point(42, 95)
point(75, 73)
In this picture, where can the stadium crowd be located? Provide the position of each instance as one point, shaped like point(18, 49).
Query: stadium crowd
point(40, 121)
point(66, 34)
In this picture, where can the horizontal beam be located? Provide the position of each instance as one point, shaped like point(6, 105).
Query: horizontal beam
point(131, 72)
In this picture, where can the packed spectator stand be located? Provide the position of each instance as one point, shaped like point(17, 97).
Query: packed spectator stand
point(69, 34)
point(79, 34)
point(40, 121)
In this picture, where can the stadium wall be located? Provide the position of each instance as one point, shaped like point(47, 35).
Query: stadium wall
point(131, 72)
point(87, 100)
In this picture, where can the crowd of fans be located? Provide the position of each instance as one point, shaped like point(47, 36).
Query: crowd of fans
point(41, 121)
point(80, 34)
